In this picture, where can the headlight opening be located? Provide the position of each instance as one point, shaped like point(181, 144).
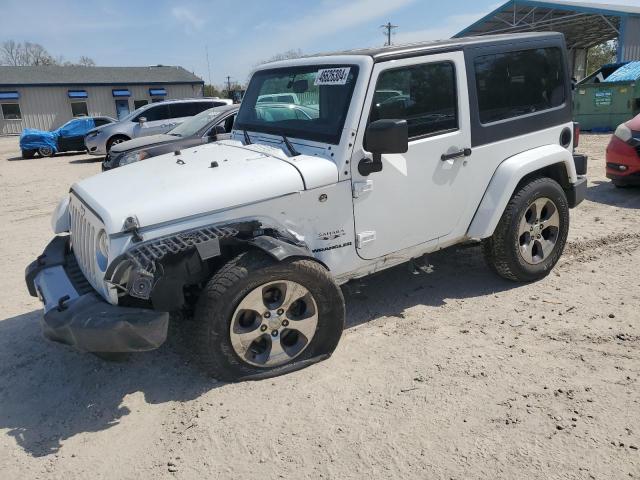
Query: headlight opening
point(102, 250)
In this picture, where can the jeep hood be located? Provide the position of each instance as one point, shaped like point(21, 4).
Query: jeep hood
point(171, 187)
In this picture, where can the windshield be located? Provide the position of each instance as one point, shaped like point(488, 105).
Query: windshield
point(134, 113)
point(194, 124)
point(308, 102)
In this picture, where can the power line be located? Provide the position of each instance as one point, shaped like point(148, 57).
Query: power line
point(388, 30)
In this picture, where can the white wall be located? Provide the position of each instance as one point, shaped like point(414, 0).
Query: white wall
point(47, 108)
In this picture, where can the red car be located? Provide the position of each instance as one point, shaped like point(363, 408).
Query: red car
point(623, 154)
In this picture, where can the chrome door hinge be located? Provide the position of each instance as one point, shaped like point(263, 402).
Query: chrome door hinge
point(360, 188)
point(365, 238)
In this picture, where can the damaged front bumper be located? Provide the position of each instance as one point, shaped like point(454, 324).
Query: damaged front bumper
point(75, 314)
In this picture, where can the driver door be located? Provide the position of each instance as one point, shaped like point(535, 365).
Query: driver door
point(419, 195)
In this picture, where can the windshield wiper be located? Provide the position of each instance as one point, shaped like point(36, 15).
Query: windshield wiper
point(292, 151)
point(247, 140)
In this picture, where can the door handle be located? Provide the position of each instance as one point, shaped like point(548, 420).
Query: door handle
point(465, 152)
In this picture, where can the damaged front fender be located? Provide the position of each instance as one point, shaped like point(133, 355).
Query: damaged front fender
point(146, 265)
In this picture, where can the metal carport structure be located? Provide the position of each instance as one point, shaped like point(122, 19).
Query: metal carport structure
point(584, 25)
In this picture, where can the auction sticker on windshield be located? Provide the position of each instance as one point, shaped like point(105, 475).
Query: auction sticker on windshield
point(332, 76)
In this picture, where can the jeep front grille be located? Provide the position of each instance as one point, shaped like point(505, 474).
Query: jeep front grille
point(84, 229)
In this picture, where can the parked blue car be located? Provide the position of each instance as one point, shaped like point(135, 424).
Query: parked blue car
point(68, 138)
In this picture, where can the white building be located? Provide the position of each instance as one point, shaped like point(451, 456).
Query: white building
point(45, 97)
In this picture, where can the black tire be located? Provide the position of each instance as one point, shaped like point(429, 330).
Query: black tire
point(46, 152)
point(26, 154)
point(116, 139)
point(231, 284)
point(502, 250)
point(619, 184)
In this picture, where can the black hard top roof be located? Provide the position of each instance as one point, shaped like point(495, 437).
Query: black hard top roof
point(415, 49)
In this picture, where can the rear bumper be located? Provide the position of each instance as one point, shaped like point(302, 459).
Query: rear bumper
point(577, 192)
point(77, 315)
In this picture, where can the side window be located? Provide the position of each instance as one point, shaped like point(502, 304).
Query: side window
point(188, 109)
point(159, 112)
point(512, 84)
point(11, 111)
point(100, 121)
point(423, 95)
point(197, 107)
point(79, 109)
point(228, 123)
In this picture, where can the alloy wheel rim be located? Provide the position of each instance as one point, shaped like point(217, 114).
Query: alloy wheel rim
point(274, 323)
point(538, 231)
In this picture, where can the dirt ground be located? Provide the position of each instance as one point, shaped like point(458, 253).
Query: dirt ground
point(453, 374)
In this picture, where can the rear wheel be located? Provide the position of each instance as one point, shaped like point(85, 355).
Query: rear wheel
point(260, 318)
point(28, 153)
point(532, 232)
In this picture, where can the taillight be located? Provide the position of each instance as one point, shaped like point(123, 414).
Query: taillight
point(576, 134)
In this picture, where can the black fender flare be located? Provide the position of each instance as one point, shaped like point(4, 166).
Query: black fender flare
point(279, 249)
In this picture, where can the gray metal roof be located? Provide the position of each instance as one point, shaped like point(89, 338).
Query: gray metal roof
point(77, 76)
point(584, 24)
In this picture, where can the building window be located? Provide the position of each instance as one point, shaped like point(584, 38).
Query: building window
point(518, 83)
point(79, 109)
point(139, 103)
point(11, 111)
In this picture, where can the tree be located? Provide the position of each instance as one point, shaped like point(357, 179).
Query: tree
point(601, 55)
point(86, 62)
point(19, 54)
point(212, 91)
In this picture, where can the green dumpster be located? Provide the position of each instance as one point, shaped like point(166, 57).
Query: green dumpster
point(607, 98)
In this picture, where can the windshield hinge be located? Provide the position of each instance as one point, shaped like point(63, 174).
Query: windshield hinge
point(360, 188)
point(131, 226)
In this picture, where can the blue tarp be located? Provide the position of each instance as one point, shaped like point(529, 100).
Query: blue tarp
point(32, 139)
point(627, 73)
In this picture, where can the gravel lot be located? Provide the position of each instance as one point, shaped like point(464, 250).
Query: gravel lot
point(453, 374)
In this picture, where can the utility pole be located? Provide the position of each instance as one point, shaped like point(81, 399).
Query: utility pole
point(228, 85)
point(206, 48)
point(388, 30)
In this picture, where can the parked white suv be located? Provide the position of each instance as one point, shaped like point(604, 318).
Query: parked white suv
point(255, 234)
point(151, 119)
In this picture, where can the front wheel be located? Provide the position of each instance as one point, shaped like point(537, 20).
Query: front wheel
point(46, 152)
point(532, 232)
point(28, 154)
point(115, 141)
point(260, 318)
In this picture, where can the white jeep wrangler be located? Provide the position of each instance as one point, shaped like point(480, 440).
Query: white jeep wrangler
point(387, 154)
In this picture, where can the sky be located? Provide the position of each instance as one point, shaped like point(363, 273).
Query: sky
point(238, 34)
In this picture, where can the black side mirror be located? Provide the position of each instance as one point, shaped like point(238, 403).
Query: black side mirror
point(383, 136)
point(215, 131)
point(300, 86)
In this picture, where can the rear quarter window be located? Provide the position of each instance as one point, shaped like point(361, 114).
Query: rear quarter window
point(514, 84)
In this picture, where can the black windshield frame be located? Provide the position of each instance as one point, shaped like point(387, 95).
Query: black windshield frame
point(324, 133)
